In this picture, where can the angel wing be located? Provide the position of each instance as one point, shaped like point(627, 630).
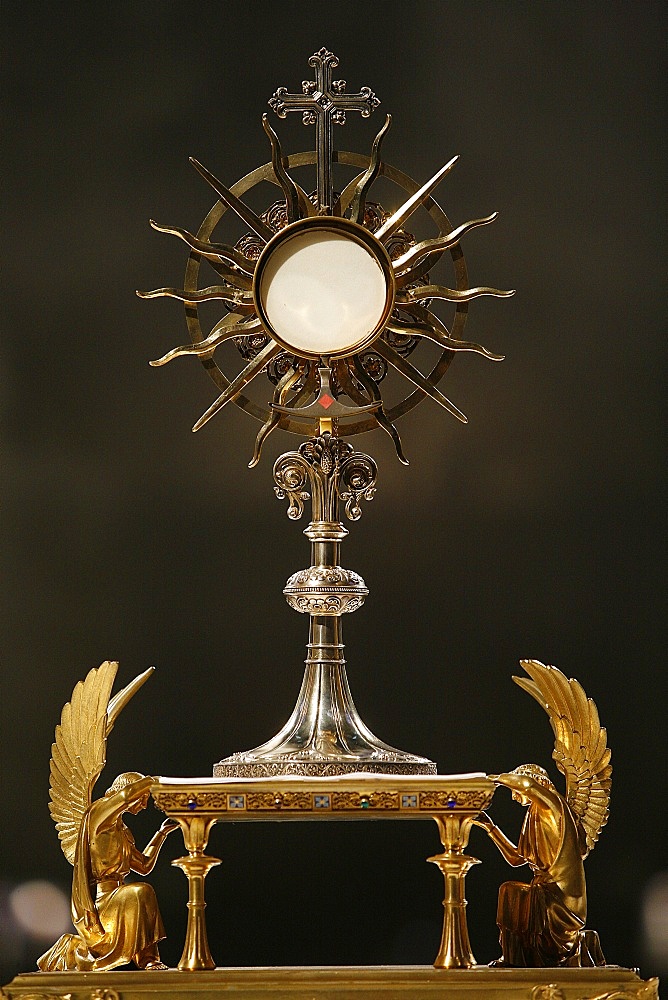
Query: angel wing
point(79, 752)
point(580, 749)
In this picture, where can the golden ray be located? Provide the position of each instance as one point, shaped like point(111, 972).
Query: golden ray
point(433, 329)
point(212, 292)
point(258, 363)
point(451, 294)
point(310, 386)
point(212, 251)
point(229, 274)
point(406, 210)
point(227, 328)
point(342, 203)
point(417, 260)
point(359, 198)
point(243, 211)
point(280, 393)
point(297, 202)
point(375, 395)
point(417, 378)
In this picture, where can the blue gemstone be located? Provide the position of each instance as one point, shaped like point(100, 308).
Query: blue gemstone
point(192, 804)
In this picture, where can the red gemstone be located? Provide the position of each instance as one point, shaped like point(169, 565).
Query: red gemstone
point(326, 401)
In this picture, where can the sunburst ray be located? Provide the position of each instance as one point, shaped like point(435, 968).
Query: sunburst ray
point(243, 211)
point(417, 378)
point(254, 368)
point(280, 393)
point(450, 294)
point(358, 202)
point(342, 203)
point(431, 327)
point(297, 202)
point(230, 326)
point(212, 251)
point(210, 293)
point(374, 394)
point(411, 204)
point(419, 258)
point(227, 273)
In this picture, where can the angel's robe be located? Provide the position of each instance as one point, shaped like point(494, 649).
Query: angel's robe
point(542, 924)
point(117, 922)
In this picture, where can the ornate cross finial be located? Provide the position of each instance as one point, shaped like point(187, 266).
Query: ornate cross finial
point(324, 102)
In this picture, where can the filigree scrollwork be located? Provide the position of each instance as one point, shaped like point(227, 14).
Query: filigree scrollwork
point(251, 345)
point(291, 473)
point(335, 471)
point(357, 481)
point(462, 799)
point(281, 365)
point(250, 246)
point(374, 365)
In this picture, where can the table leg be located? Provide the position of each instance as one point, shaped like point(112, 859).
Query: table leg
point(196, 866)
point(455, 951)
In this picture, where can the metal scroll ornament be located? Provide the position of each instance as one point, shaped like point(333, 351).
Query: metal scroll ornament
point(324, 295)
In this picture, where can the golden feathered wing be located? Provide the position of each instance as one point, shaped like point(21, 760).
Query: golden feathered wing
point(79, 752)
point(580, 749)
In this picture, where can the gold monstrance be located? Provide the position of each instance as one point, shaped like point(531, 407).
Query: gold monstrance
point(326, 295)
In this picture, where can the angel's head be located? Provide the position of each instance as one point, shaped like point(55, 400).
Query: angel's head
point(537, 774)
point(121, 782)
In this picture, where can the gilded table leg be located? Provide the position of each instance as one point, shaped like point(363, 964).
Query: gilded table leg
point(196, 866)
point(455, 951)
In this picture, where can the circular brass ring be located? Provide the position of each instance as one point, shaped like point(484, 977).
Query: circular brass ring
point(266, 173)
point(342, 227)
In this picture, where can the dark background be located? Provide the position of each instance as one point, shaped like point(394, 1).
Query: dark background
point(534, 531)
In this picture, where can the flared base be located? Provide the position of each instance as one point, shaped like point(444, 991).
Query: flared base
point(324, 736)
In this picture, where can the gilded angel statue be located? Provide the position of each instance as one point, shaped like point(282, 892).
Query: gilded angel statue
point(543, 923)
point(116, 922)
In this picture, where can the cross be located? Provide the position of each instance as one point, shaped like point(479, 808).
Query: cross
point(323, 102)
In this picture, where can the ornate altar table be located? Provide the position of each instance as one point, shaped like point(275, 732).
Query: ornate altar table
point(453, 801)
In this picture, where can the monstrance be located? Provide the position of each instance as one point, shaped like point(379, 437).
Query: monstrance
point(329, 297)
point(325, 295)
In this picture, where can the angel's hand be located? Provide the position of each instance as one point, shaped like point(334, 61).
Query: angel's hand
point(168, 825)
point(508, 779)
point(484, 821)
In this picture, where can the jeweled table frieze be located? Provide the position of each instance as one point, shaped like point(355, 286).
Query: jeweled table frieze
point(356, 796)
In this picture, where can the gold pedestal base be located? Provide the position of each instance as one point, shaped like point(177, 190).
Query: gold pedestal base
point(417, 982)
